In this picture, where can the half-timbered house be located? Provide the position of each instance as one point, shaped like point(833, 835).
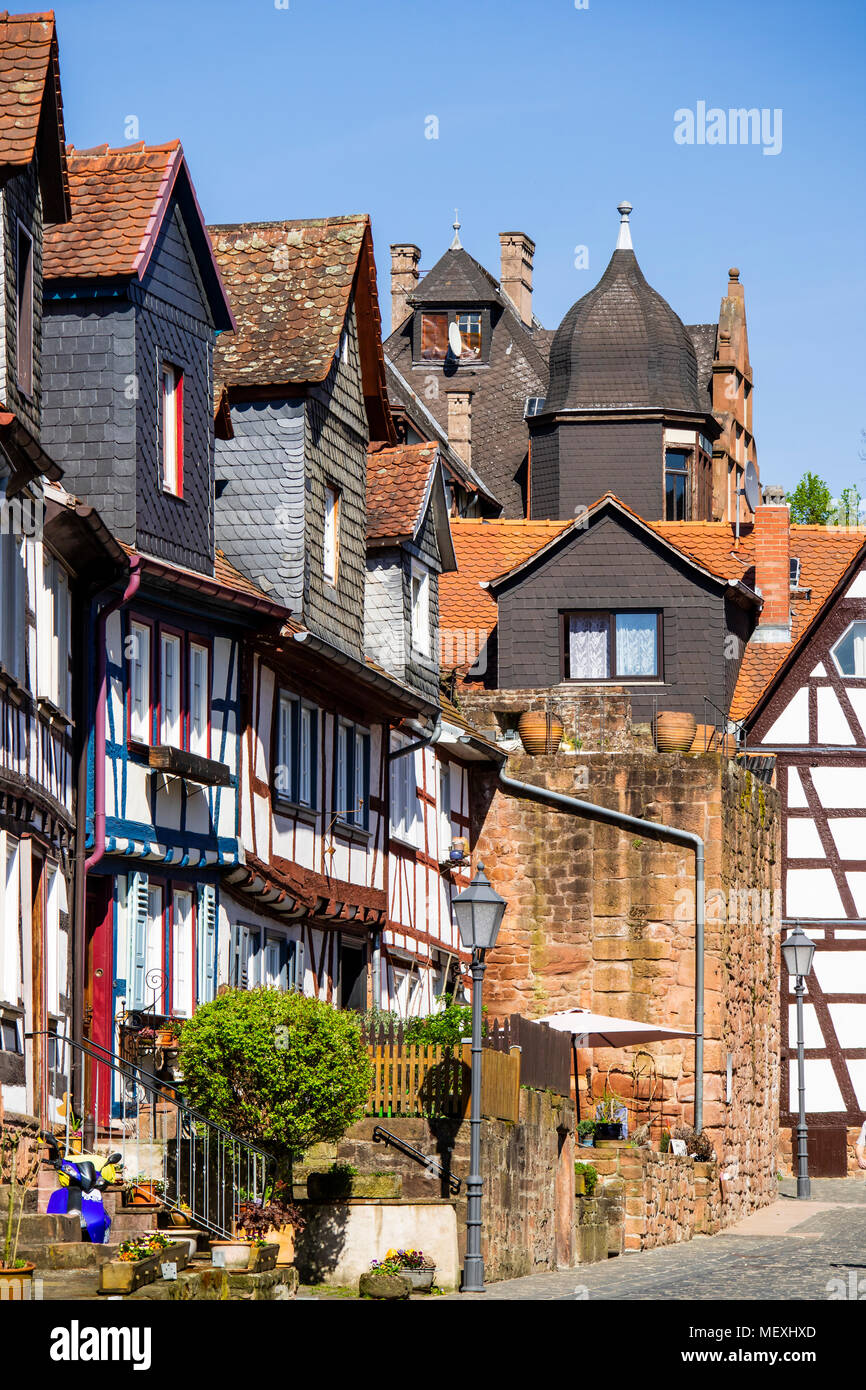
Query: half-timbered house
point(52, 550)
point(133, 306)
point(803, 697)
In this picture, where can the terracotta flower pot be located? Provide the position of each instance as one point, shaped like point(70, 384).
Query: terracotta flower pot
point(539, 732)
point(16, 1285)
point(675, 733)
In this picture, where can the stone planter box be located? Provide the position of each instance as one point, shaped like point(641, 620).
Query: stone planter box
point(125, 1276)
point(243, 1255)
point(421, 1280)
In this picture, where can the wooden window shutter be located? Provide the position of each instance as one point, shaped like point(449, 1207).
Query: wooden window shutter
point(207, 943)
point(138, 909)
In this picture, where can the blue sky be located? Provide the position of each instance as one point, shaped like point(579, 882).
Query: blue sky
point(548, 115)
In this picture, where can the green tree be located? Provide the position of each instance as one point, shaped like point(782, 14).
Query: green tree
point(278, 1069)
point(811, 502)
point(849, 506)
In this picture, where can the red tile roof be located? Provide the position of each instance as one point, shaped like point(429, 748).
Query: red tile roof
point(118, 199)
point(484, 550)
point(289, 284)
point(398, 484)
point(26, 42)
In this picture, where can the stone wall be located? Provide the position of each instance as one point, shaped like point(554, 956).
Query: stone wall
point(667, 1198)
point(604, 919)
point(592, 719)
point(528, 1171)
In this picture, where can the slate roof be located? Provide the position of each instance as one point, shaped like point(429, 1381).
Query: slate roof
point(456, 278)
point(703, 336)
point(120, 198)
point(290, 284)
point(517, 368)
point(31, 108)
point(622, 346)
point(398, 487)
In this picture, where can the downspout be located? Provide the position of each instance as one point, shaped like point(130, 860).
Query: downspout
point(576, 807)
point(129, 592)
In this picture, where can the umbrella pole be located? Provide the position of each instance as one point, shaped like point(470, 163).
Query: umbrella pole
point(576, 1082)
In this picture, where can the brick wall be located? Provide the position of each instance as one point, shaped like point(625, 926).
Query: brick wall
point(604, 919)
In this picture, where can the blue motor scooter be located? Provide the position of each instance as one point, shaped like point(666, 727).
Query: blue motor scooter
point(82, 1183)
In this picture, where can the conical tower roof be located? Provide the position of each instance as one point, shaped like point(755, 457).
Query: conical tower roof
point(622, 346)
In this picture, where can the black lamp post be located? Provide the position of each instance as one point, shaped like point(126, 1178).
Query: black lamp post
point(478, 910)
point(798, 952)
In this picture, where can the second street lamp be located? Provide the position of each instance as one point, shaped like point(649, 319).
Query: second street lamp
point(478, 911)
point(798, 952)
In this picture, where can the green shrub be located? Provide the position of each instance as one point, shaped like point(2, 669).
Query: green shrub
point(446, 1028)
point(590, 1176)
point(278, 1069)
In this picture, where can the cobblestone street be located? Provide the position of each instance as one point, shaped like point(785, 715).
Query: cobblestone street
point(790, 1251)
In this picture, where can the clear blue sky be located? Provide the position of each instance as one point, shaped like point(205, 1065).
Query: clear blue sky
point(548, 116)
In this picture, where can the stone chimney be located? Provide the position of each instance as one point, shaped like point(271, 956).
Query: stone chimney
point(773, 573)
point(404, 278)
point(460, 424)
point(515, 276)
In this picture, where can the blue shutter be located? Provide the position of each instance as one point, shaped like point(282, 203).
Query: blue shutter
point(137, 908)
point(241, 945)
point(207, 943)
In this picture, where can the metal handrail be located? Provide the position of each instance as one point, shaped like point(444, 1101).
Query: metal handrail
point(205, 1170)
point(384, 1136)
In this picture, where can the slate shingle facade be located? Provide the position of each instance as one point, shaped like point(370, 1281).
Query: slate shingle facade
point(22, 202)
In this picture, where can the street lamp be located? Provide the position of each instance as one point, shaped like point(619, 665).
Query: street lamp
point(798, 952)
point(478, 910)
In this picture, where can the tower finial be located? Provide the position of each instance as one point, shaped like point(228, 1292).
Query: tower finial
point(456, 244)
point(623, 241)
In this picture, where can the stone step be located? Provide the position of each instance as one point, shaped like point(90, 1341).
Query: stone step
point(71, 1255)
point(38, 1228)
point(128, 1222)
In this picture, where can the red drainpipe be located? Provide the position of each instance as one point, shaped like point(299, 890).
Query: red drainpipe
point(101, 701)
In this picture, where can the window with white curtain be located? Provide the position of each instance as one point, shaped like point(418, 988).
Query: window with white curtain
point(420, 606)
point(612, 646)
point(182, 962)
point(404, 799)
point(54, 634)
point(139, 683)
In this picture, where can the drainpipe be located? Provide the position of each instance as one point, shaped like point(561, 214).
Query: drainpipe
point(576, 807)
point(129, 592)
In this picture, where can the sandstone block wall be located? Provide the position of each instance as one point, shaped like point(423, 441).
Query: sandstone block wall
point(667, 1198)
point(604, 918)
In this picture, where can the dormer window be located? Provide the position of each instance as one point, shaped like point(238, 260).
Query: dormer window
point(677, 488)
point(470, 336)
point(434, 344)
point(420, 609)
point(172, 430)
point(331, 559)
point(24, 312)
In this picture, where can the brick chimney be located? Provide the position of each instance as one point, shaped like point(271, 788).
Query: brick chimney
point(773, 573)
point(460, 424)
point(515, 275)
point(404, 278)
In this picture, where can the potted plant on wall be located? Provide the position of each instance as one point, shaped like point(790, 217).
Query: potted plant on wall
point(16, 1275)
point(610, 1113)
point(586, 1133)
point(412, 1265)
point(278, 1220)
point(143, 1191)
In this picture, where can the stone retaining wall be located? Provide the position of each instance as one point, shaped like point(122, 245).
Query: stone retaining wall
point(666, 1198)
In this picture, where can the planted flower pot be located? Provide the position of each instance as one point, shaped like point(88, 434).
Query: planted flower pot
point(539, 732)
point(231, 1254)
point(263, 1257)
point(143, 1194)
point(16, 1284)
point(604, 1131)
point(675, 732)
point(420, 1279)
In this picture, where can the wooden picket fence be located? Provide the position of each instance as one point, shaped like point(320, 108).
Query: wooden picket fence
point(436, 1082)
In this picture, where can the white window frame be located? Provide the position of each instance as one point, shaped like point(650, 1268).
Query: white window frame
point(170, 709)
point(11, 968)
point(140, 723)
point(446, 836)
point(199, 703)
point(154, 944)
point(404, 799)
point(171, 378)
point(331, 539)
point(419, 593)
point(854, 675)
point(54, 633)
point(306, 754)
point(342, 794)
point(13, 587)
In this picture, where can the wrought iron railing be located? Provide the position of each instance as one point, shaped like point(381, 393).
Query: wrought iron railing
point(201, 1168)
point(384, 1136)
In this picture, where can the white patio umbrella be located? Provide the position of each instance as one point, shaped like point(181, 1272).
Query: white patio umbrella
point(601, 1030)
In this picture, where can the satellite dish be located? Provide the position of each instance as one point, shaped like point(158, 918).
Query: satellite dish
point(751, 487)
point(455, 342)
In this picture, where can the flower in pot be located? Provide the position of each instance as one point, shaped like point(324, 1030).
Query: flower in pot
point(145, 1040)
point(231, 1254)
point(16, 1274)
point(610, 1118)
point(277, 1221)
point(142, 1190)
point(586, 1133)
point(413, 1265)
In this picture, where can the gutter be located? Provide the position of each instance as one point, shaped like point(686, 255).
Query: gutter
point(576, 807)
point(129, 592)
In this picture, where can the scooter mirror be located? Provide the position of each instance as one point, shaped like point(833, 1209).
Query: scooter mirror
point(114, 1159)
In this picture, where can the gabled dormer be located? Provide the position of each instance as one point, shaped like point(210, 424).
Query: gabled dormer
point(408, 547)
point(133, 306)
point(453, 311)
point(305, 378)
point(33, 191)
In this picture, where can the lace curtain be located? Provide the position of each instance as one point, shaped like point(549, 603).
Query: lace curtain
point(587, 648)
point(636, 644)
